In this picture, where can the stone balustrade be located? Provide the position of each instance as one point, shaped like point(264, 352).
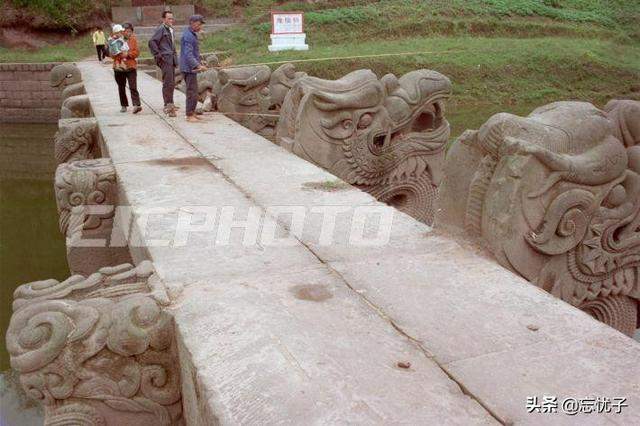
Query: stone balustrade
point(263, 282)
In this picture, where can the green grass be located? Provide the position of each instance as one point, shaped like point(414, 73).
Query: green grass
point(62, 14)
point(502, 55)
point(610, 14)
point(489, 74)
point(76, 49)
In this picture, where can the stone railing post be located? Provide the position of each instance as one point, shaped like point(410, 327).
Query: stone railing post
point(555, 196)
point(98, 350)
point(75, 102)
point(86, 196)
point(76, 139)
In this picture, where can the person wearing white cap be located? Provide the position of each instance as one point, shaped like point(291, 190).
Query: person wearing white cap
point(123, 46)
point(116, 41)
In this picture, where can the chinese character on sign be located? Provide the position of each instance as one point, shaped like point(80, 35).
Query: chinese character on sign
point(287, 22)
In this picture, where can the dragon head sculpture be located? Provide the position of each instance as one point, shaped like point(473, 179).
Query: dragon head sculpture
point(240, 93)
point(555, 197)
point(64, 75)
point(68, 78)
point(386, 136)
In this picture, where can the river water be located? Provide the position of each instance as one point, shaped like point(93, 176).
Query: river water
point(31, 246)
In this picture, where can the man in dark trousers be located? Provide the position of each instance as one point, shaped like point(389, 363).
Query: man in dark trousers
point(163, 48)
point(191, 65)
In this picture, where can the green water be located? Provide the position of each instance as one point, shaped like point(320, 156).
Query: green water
point(31, 246)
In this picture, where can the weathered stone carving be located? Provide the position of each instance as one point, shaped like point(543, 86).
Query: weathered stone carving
point(209, 86)
point(387, 136)
point(250, 95)
point(76, 107)
point(98, 350)
point(556, 197)
point(271, 98)
point(76, 139)
point(68, 78)
point(240, 91)
point(86, 197)
point(624, 114)
point(208, 89)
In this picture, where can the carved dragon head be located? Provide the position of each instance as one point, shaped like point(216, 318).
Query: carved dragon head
point(556, 197)
point(385, 135)
point(64, 75)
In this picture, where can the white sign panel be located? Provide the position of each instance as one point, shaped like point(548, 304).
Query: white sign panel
point(287, 22)
point(287, 31)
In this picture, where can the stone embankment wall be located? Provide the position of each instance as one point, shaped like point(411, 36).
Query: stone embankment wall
point(26, 95)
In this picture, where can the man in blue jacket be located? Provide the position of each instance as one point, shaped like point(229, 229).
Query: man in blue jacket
point(190, 64)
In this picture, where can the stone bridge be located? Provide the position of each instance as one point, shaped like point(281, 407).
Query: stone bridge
point(266, 291)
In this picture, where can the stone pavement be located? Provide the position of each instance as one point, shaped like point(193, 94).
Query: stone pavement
point(317, 332)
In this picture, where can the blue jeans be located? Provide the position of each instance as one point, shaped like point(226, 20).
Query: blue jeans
point(191, 81)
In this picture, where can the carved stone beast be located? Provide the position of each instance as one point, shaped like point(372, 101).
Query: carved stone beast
point(240, 93)
point(99, 350)
point(386, 136)
point(68, 78)
point(555, 197)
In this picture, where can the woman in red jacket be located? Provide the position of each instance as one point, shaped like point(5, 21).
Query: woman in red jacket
point(125, 68)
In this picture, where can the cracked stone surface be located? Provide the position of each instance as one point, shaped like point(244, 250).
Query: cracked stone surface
point(314, 333)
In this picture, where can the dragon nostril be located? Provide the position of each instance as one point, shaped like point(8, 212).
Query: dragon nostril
point(378, 141)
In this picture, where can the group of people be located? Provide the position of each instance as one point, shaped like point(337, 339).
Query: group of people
point(122, 47)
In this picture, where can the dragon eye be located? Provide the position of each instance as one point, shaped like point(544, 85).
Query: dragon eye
point(365, 121)
point(347, 124)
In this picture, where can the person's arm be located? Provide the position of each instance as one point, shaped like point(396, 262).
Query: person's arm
point(134, 52)
point(189, 52)
point(155, 40)
point(95, 37)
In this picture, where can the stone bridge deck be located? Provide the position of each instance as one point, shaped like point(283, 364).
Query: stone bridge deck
point(310, 332)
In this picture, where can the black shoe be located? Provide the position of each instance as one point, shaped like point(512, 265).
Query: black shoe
point(137, 109)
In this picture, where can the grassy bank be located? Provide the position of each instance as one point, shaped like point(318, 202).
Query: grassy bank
point(490, 74)
point(71, 51)
point(501, 55)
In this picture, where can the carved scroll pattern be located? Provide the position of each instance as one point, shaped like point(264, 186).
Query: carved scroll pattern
point(76, 140)
point(81, 187)
point(568, 191)
point(97, 348)
point(386, 136)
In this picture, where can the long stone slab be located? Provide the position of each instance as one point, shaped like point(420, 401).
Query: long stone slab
point(255, 349)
